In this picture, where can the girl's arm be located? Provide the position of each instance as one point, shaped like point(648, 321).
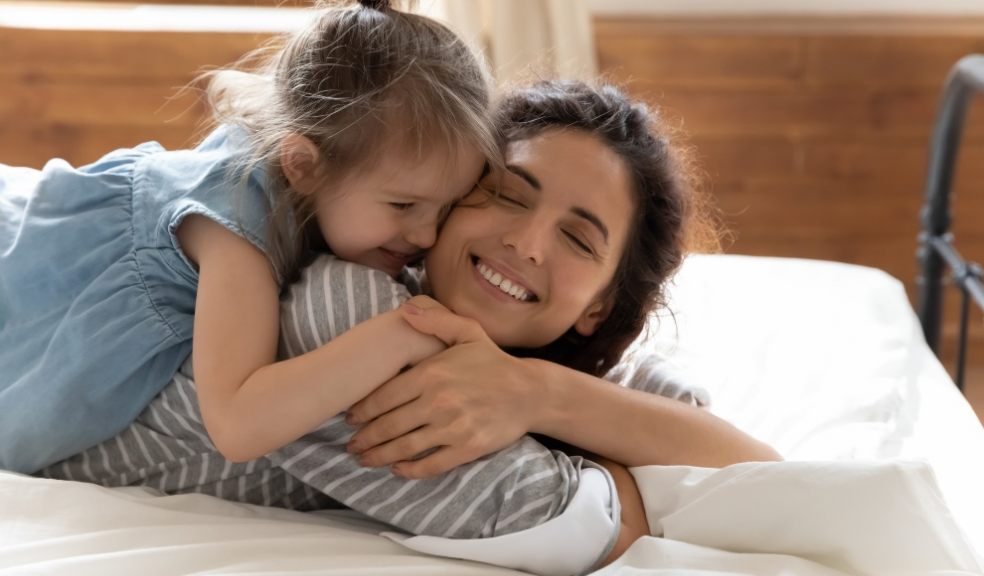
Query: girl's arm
point(448, 395)
point(251, 404)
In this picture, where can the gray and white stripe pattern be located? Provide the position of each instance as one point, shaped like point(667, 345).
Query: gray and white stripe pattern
point(167, 447)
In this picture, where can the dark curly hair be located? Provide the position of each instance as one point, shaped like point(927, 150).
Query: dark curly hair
point(670, 212)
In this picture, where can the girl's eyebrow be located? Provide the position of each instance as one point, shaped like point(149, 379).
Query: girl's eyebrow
point(525, 175)
point(405, 195)
point(577, 210)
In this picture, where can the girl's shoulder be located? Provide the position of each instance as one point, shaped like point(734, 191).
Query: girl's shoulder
point(210, 163)
point(206, 180)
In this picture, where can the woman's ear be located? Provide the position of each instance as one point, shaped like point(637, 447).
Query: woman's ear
point(592, 317)
point(301, 163)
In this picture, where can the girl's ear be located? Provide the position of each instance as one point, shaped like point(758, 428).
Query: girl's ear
point(301, 163)
point(592, 317)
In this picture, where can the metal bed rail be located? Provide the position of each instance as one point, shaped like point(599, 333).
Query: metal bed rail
point(936, 251)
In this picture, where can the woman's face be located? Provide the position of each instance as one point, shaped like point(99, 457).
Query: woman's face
point(536, 259)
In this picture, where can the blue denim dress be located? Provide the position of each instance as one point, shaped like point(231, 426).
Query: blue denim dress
point(97, 300)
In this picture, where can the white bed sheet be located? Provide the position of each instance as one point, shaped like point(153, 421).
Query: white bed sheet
point(822, 360)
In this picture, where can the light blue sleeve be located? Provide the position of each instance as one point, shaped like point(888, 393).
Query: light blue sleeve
point(170, 186)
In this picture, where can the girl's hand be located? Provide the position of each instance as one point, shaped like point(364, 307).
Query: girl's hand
point(468, 401)
point(419, 303)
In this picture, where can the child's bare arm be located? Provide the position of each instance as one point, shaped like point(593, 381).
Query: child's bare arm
point(250, 403)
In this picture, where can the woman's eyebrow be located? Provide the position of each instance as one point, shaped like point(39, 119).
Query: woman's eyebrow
point(577, 210)
point(592, 218)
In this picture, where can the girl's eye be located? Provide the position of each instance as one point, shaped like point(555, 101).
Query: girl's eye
point(509, 199)
point(401, 206)
point(579, 244)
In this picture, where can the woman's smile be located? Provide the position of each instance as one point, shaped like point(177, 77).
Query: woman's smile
point(501, 283)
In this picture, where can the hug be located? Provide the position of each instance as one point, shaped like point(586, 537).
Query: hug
point(374, 285)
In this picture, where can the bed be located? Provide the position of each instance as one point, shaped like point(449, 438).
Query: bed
point(826, 361)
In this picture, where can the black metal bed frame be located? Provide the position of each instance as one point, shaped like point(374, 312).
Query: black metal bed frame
point(935, 240)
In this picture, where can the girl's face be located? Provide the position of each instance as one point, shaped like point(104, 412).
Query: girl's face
point(388, 215)
point(535, 257)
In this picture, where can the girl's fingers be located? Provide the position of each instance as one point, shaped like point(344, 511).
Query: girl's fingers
point(389, 396)
point(405, 447)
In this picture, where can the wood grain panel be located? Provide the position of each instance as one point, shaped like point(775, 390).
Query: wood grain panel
point(98, 104)
point(879, 159)
point(266, 3)
point(83, 144)
point(31, 55)
point(702, 60)
point(887, 60)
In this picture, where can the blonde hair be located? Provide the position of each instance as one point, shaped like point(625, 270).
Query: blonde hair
point(358, 80)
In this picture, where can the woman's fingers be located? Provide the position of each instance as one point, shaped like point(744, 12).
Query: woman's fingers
point(440, 461)
point(443, 324)
point(389, 396)
point(405, 447)
point(391, 425)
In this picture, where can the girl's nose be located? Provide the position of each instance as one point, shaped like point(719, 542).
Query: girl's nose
point(422, 236)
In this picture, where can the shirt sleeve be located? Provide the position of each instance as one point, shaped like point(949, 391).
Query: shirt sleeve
point(651, 372)
point(516, 488)
point(208, 180)
point(330, 298)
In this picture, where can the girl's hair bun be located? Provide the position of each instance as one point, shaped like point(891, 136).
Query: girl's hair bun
point(379, 5)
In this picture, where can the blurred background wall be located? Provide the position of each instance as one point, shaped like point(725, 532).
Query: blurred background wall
point(812, 120)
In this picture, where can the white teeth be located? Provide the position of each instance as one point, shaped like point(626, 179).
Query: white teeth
point(494, 278)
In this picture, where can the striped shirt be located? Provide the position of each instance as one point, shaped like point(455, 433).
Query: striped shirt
point(167, 447)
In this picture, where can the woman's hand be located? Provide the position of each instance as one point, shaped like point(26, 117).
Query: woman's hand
point(468, 401)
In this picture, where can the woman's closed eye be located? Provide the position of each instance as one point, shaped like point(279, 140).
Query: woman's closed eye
point(401, 206)
point(578, 243)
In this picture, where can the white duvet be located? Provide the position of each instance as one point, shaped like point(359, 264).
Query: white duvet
point(822, 360)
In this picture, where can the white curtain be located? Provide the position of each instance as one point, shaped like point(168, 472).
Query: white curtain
point(524, 38)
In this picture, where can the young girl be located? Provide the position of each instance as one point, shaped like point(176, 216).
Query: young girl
point(604, 220)
point(354, 139)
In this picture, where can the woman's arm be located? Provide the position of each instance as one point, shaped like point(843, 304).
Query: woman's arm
point(449, 394)
point(633, 523)
point(633, 427)
point(250, 403)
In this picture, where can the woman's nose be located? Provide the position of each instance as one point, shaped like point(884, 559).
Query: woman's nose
point(528, 239)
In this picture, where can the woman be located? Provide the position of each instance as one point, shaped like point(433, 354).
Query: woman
point(473, 399)
point(555, 243)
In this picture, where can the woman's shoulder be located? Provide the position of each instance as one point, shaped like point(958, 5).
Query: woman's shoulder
point(327, 267)
point(343, 280)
